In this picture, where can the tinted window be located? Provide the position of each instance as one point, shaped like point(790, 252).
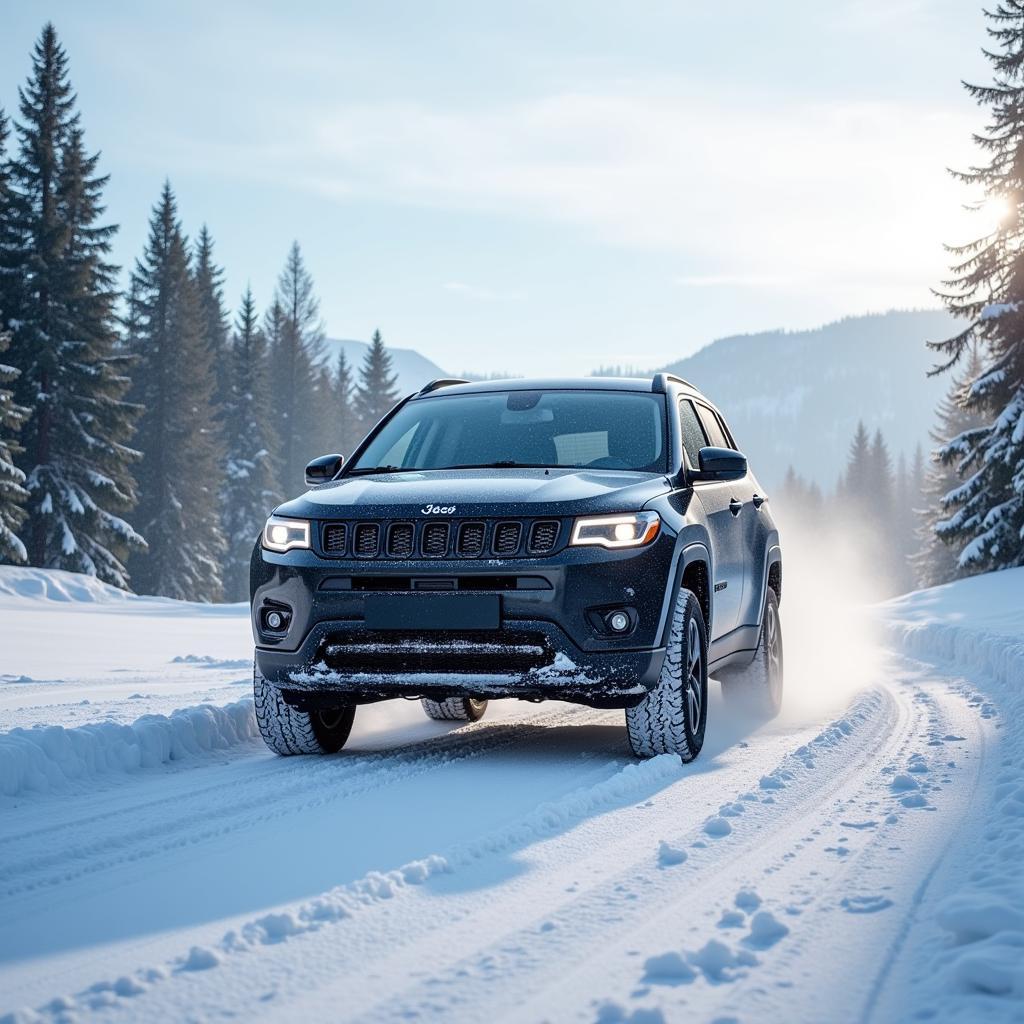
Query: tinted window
point(596, 429)
point(712, 428)
point(693, 436)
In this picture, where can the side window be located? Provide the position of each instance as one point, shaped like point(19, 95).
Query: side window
point(728, 433)
point(713, 429)
point(693, 436)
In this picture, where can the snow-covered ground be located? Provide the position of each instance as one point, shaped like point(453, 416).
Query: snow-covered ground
point(857, 859)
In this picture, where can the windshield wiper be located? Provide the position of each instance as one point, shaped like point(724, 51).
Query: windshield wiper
point(383, 469)
point(505, 464)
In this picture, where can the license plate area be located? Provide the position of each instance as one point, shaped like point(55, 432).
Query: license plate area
point(431, 612)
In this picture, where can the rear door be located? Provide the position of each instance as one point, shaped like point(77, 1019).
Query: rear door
point(724, 513)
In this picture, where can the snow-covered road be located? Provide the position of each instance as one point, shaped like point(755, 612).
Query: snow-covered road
point(524, 868)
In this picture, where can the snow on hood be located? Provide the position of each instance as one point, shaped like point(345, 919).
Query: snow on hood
point(481, 492)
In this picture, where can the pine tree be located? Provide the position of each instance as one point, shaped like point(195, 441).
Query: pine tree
point(295, 335)
point(12, 416)
point(856, 484)
point(73, 379)
point(985, 513)
point(880, 482)
point(250, 492)
point(376, 393)
point(936, 560)
point(349, 434)
point(12, 479)
point(9, 247)
point(213, 318)
point(179, 476)
point(326, 423)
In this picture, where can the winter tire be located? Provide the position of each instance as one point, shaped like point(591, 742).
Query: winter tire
point(287, 730)
point(672, 718)
point(455, 709)
point(758, 687)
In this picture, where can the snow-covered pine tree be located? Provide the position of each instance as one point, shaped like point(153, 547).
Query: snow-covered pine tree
point(250, 491)
point(9, 248)
point(985, 513)
point(936, 560)
point(295, 335)
point(12, 416)
point(180, 475)
point(73, 379)
point(12, 479)
point(376, 392)
point(213, 317)
point(349, 434)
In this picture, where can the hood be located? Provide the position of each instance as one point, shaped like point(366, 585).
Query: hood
point(488, 492)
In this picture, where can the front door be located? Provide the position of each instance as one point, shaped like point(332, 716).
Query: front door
point(725, 511)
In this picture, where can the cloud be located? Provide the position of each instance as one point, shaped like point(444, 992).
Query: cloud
point(789, 191)
point(476, 292)
point(731, 281)
point(848, 197)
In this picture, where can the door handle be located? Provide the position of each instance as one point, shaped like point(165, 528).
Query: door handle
point(759, 500)
point(735, 507)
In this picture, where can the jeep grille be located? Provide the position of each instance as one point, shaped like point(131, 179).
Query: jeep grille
point(402, 539)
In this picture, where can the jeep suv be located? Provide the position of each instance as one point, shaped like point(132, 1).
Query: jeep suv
point(599, 541)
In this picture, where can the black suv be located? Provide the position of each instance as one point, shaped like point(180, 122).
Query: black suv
point(598, 541)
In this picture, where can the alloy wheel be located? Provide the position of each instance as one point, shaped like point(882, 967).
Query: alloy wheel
point(694, 691)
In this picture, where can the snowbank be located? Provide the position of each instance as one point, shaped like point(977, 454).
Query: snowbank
point(48, 758)
point(18, 583)
point(57, 585)
point(977, 626)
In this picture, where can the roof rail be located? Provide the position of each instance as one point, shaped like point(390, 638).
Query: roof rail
point(441, 382)
point(660, 382)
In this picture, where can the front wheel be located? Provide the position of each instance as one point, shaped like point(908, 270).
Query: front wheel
point(286, 730)
point(758, 687)
point(454, 709)
point(672, 718)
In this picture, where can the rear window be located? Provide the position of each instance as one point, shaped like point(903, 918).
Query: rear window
point(580, 429)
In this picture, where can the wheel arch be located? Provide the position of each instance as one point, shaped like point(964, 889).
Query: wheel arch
point(694, 565)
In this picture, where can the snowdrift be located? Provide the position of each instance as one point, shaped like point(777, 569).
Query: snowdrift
point(19, 584)
point(976, 624)
point(57, 585)
point(977, 627)
point(52, 758)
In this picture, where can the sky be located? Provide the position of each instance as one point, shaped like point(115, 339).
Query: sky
point(537, 187)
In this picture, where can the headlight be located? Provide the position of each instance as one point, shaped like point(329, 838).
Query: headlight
point(630, 531)
point(284, 534)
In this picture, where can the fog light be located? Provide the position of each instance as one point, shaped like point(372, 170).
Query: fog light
point(275, 620)
point(618, 621)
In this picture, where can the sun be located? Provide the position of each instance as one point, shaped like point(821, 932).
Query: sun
point(996, 209)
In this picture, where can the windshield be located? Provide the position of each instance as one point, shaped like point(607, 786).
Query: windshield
point(593, 429)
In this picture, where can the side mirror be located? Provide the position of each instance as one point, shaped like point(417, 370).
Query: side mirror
point(323, 468)
point(720, 464)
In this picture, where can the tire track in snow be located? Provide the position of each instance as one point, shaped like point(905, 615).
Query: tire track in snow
point(390, 941)
point(572, 945)
point(57, 854)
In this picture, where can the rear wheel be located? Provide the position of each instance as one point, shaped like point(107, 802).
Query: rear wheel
point(672, 718)
point(454, 709)
point(286, 730)
point(758, 687)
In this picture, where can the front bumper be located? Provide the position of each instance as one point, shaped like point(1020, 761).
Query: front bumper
point(549, 642)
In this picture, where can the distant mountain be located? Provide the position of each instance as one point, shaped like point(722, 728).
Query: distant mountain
point(794, 397)
point(413, 369)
